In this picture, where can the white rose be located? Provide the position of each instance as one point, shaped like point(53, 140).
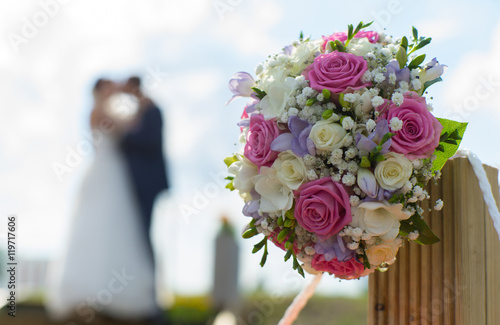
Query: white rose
point(359, 46)
point(378, 219)
point(327, 135)
point(393, 172)
point(243, 171)
point(382, 253)
point(275, 196)
point(278, 94)
point(290, 169)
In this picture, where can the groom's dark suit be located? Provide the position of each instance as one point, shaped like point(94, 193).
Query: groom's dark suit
point(143, 150)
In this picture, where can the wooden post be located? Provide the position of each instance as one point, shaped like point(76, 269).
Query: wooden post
point(456, 281)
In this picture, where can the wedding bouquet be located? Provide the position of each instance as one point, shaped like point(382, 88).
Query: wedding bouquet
point(338, 144)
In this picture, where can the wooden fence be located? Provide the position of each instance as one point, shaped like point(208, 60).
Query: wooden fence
point(456, 281)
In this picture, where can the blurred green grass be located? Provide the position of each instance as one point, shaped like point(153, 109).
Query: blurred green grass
point(256, 309)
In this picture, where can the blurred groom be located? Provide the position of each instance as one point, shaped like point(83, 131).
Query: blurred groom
point(142, 146)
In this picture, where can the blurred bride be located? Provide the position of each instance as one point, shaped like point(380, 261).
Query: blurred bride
point(105, 268)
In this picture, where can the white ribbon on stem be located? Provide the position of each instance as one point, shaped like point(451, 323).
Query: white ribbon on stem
point(300, 301)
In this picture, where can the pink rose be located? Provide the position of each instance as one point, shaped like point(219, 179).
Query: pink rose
point(421, 131)
point(337, 72)
point(322, 207)
point(342, 36)
point(259, 137)
point(350, 269)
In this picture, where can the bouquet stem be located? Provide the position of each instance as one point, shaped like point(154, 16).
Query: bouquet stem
point(300, 301)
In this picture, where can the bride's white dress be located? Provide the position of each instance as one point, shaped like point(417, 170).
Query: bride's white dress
point(104, 265)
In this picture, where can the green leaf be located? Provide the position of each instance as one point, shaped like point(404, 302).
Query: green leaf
point(250, 233)
point(404, 43)
point(449, 141)
point(449, 149)
point(288, 254)
point(301, 36)
point(421, 44)
point(290, 213)
point(416, 222)
point(257, 247)
point(415, 34)
point(386, 137)
point(260, 93)
point(396, 198)
point(429, 83)
point(416, 61)
point(402, 57)
point(367, 24)
point(440, 148)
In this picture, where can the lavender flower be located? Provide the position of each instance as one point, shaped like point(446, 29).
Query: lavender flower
point(334, 247)
point(367, 182)
point(298, 140)
point(401, 74)
point(241, 85)
point(373, 140)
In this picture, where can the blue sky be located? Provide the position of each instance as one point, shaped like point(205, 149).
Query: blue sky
point(194, 48)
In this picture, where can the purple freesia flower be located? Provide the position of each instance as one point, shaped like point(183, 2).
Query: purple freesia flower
point(369, 143)
point(250, 109)
point(334, 247)
point(401, 74)
point(298, 140)
point(251, 208)
point(241, 84)
point(432, 70)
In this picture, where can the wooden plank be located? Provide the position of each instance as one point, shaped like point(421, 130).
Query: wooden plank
point(382, 298)
point(426, 271)
point(414, 257)
point(393, 294)
point(436, 312)
point(445, 306)
point(470, 252)
point(404, 310)
point(492, 256)
point(372, 299)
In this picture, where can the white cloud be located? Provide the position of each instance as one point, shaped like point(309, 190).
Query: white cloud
point(440, 30)
point(474, 84)
point(247, 27)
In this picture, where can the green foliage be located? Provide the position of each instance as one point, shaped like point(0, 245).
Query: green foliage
point(429, 83)
point(416, 222)
point(416, 62)
point(260, 93)
point(450, 139)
